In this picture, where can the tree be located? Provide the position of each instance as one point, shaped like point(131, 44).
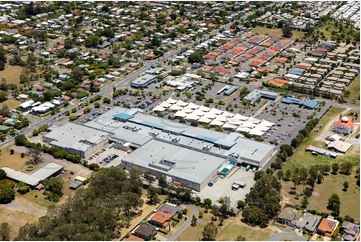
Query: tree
point(96, 105)
point(3, 96)
point(334, 204)
point(194, 221)
point(335, 168)
point(288, 174)
point(287, 148)
point(346, 168)
point(7, 194)
point(4, 232)
point(279, 174)
point(162, 181)
point(255, 216)
point(35, 153)
point(2, 174)
point(21, 140)
point(210, 232)
point(91, 41)
point(287, 29)
point(345, 186)
point(106, 100)
point(54, 185)
point(207, 202)
point(195, 57)
point(263, 201)
point(3, 59)
point(307, 191)
point(241, 204)
point(241, 238)
point(95, 213)
point(304, 202)
point(153, 195)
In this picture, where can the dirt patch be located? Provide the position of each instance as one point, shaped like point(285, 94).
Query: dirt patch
point(16, 219)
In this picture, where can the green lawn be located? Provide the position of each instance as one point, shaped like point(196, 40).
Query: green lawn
point(276, 32)
point(301, 158)
point(329, 27)
point(36, 197)
point(354, 89)
point(350, 199)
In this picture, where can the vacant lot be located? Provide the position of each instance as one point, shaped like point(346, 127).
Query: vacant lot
point(12, 74)
point(230, 230)
point(11, 103)
point(350, 199)
point(16, 219)
point(12, 161)
point(354, 89)
point(306, 159)
point(277, 32)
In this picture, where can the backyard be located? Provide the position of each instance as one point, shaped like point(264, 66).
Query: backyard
point(277, 32)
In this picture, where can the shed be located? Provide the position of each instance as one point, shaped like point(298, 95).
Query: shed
point(237, 184)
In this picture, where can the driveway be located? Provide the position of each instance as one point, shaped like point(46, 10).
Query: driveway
point(185, 225)
point(286, 237)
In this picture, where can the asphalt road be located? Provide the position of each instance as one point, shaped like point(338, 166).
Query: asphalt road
point(286, 237)
point(186, 224)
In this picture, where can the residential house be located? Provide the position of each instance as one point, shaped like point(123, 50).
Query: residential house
point(287, 215)
point(132, 237)
point(160, 219)
point(145, 231)
point(308, 222)
point(344, 125)
point(170, 209)
point(327, 227)
point(350, 230)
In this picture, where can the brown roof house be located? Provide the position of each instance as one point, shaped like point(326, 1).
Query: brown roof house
point(287, 215)
point(327, 227)
point(145, 231)
point(160, 219)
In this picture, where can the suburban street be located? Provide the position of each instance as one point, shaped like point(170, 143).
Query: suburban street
point(186, 224)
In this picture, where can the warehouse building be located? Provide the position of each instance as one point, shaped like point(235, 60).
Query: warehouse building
point(51, 169)
point(77, 139)
point(144, 81)
point(183, 153)
point(255, 95)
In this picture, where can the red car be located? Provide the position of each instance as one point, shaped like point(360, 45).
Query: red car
point(282, 119)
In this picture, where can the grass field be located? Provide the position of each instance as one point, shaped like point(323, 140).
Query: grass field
point(329, 27)
point(12, 74)
point(12, 161)
point(277, 32)
point(11, 103)
point(16, 219)
point(36, 197)
point(301, 158)
point(231, 229)
point(354, 88)
point(350, 199)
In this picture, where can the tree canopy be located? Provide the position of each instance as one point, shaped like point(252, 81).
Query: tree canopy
point(263, 201)
point(95, 213)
